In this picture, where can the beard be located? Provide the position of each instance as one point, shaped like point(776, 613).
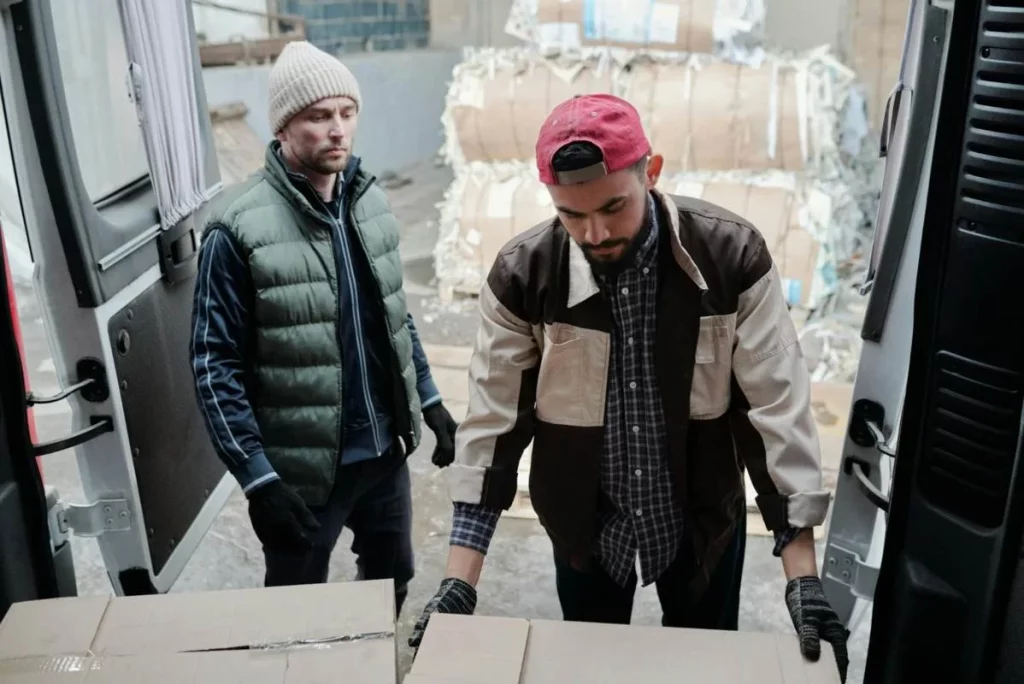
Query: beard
point(613, 264)
point(326, 163)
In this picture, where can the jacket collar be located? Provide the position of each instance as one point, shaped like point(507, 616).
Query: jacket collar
point(290, 184)
point(583, 285)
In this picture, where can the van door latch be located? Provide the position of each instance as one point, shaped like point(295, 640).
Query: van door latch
point(178, 251)
point(92, 384)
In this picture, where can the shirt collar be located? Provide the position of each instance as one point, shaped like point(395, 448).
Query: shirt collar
point(303, 185)
point(583, 285)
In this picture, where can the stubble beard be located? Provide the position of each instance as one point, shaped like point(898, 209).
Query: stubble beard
point(325, 165)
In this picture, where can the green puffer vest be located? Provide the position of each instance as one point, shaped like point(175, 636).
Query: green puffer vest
point(296, 382)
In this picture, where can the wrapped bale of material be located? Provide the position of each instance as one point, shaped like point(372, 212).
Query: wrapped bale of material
point(731, 30)
point(877, 30)
point(488, 204)
point(498, 100)
point(702, 114)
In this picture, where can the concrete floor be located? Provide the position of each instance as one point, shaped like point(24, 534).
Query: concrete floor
point(518, 577)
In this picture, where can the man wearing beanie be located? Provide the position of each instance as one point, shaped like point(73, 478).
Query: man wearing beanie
point(307, 366)
point(642, 342)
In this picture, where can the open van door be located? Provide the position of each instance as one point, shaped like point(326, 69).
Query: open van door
point(115, 288)
point(28, 568)
point(858, 523)
point(939, 395)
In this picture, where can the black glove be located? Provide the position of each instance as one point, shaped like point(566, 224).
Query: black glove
point(455, 597)
point(815, 620)
point(280, 518)
point(443, 426)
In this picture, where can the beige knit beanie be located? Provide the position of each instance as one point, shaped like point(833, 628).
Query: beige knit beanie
point(303, 75)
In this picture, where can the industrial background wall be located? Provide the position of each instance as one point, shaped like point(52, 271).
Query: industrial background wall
point(789, 24)
point(362, 25)
point(403, 98)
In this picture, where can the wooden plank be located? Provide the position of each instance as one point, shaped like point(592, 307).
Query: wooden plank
point(239, 52)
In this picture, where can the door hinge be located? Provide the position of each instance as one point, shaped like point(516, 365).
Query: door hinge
point(847, 568)
point(88, 520)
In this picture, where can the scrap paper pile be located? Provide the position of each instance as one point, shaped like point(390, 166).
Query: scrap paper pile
point(774, 137)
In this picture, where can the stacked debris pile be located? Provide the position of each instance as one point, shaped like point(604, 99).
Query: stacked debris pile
point(733, 30)
point(767, 135)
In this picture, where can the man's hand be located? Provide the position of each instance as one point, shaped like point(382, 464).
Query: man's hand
point(815, 620)
point(443, 426)
point(280, 518)
point(455, 597)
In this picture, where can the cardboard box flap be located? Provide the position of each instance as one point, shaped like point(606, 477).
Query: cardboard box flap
point(228, 668)
point(201, 621)
point(597, 654)
point(306, 666)
point(286, 635)
point(238, 618)
point(52, 626)
point(476, 650)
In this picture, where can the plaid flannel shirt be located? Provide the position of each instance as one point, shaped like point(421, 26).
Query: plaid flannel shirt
point(645, 521)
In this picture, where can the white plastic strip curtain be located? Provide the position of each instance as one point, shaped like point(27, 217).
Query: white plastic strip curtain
point(158, 39)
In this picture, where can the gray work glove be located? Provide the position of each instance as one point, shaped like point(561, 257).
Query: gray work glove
point(815, 620)
point(455, 597)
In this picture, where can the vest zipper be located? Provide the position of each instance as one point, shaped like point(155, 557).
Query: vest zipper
point(350, 209)
point(360, 349)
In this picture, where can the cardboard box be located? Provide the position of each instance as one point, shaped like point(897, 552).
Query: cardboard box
point(289, 635)
point(485, 650)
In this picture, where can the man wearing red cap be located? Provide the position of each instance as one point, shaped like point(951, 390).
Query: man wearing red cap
point(642, 342)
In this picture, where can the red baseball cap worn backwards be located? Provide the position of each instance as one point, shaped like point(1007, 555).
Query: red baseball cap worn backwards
point(609, 122)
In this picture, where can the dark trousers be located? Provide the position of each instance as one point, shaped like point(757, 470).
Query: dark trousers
point(593, 596)
point(373, 499)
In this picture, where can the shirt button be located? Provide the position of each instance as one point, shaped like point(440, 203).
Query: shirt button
point(646, 271)
point(625, 290)
point(639, 512)
point(636, 428)
point(629, 341)
point(632, 385)
point(639, 472)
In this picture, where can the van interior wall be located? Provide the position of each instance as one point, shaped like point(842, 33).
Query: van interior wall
point(789, 24)
point(403, 98)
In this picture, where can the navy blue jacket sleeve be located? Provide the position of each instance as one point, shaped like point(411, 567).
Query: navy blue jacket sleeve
point(425, 386)
point(220, 319)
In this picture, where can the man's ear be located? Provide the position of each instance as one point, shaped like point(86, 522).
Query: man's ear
point(654, 167)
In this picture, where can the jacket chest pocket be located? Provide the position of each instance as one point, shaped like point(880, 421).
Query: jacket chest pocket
point(712, 367)
point(571, 382)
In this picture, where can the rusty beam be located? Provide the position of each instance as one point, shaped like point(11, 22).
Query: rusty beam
point(245, 51)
